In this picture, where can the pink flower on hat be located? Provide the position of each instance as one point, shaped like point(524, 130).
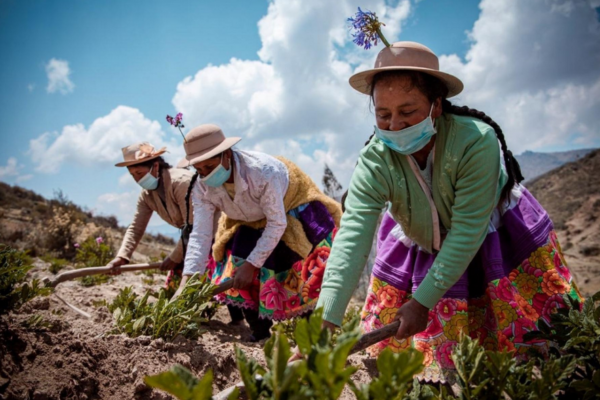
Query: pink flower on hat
point(99, 240)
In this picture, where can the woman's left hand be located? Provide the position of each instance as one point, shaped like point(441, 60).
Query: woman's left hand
point(244, 276)
point(413, 319)
point(167, 264)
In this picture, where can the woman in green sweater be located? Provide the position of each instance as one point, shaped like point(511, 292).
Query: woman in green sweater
point(462, 247)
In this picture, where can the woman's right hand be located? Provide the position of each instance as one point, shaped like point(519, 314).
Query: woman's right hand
point(115, 265)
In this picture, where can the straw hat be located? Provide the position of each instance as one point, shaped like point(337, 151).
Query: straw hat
point(138, 153)
point(406, 56)
point(204, 142)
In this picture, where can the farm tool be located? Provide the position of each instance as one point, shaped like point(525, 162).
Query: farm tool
point(78, 273)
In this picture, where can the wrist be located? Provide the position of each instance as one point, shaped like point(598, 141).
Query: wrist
point(420, 306)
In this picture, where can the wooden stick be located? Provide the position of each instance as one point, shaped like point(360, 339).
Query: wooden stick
point(365, 341)
point(72, 307)
point(78, 273)
point(223, 287)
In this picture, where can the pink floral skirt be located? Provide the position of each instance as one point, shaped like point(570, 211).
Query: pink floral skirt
point(287, 285)
point(497, 301)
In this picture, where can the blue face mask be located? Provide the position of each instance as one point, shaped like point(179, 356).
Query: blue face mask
point(148, 182)
point(408, 140)
point(218, 176)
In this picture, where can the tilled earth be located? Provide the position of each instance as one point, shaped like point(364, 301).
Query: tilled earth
point(69, 356)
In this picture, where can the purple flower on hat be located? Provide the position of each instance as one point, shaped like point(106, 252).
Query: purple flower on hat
point(76, 245)
point(177, 122)
point(367, 29)
point(99, 240)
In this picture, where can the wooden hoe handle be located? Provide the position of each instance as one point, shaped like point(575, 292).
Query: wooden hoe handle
point(78, 273)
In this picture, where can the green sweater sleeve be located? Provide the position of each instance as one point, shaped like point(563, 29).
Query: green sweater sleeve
point(366, 198)
point(476, 196)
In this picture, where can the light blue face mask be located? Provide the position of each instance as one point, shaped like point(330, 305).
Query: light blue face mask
point(218, 176)
point(148, 182)
point(408, 140)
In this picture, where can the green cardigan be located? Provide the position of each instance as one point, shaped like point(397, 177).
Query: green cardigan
point(467, 181)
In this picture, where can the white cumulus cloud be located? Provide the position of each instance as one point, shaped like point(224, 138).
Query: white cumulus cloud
point(58, 72)
point(294, 101)
point(101, 143)
point(532, 66)
point(12, 172)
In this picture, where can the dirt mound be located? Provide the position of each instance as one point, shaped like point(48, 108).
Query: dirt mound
point(67, 356)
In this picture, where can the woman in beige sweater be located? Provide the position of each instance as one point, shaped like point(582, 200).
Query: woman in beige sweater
point(164, 192)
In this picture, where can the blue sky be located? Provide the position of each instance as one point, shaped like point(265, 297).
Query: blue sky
point(255, 67)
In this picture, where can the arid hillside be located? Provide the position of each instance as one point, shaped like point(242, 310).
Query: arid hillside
point(571, 195)
point(52, 227)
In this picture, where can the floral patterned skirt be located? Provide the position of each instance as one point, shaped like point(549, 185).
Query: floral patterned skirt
point(517, 279)
point(286, 286)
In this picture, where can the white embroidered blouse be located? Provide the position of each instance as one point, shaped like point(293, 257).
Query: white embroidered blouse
point(261, 182)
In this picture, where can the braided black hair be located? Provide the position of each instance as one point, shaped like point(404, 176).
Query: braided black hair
point(433, 89)
point(187, 228)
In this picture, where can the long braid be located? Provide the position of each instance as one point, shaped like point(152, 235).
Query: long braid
point(512, 166)
point(187, 228)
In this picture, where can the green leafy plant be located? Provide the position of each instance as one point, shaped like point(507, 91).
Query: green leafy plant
point(36, 321)
point(164, 317)
point(395, 380)
point(56, 264)
point(288, 326)
point(576, 334)
point(14, 291)
point(321, 373)
point(181, 383)
point(484, 374)
point(94, 252)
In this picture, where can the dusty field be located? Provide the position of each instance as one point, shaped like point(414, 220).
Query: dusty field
point(78, 358)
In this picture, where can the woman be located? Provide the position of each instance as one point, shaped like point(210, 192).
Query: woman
point(274, 235)
point(164, 192)
point(462, 248)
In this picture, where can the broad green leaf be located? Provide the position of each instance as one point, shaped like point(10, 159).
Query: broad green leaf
point(203, 389)
point(178, 381)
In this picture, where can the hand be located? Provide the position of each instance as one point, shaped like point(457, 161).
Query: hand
point(115, 266)
point(413, 319)
point(244, 276)
point(167, 264)
point(184, 280)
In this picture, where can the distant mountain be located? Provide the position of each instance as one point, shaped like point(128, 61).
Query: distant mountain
point(534, 164)
point(571, 195)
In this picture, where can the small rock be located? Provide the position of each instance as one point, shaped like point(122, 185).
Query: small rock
point(40, 303)
point(158, 343)
point(144, 340)
point(179, 339)
point(40, 395)
point(140, 386)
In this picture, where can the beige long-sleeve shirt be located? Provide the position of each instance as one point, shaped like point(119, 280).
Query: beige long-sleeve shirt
point(175, 182)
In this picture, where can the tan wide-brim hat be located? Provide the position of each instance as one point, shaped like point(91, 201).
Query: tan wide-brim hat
point(138, 153)
point(406, 56)
point(204, 142)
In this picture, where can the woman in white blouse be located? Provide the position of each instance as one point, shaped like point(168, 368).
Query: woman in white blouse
point(274, 235)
